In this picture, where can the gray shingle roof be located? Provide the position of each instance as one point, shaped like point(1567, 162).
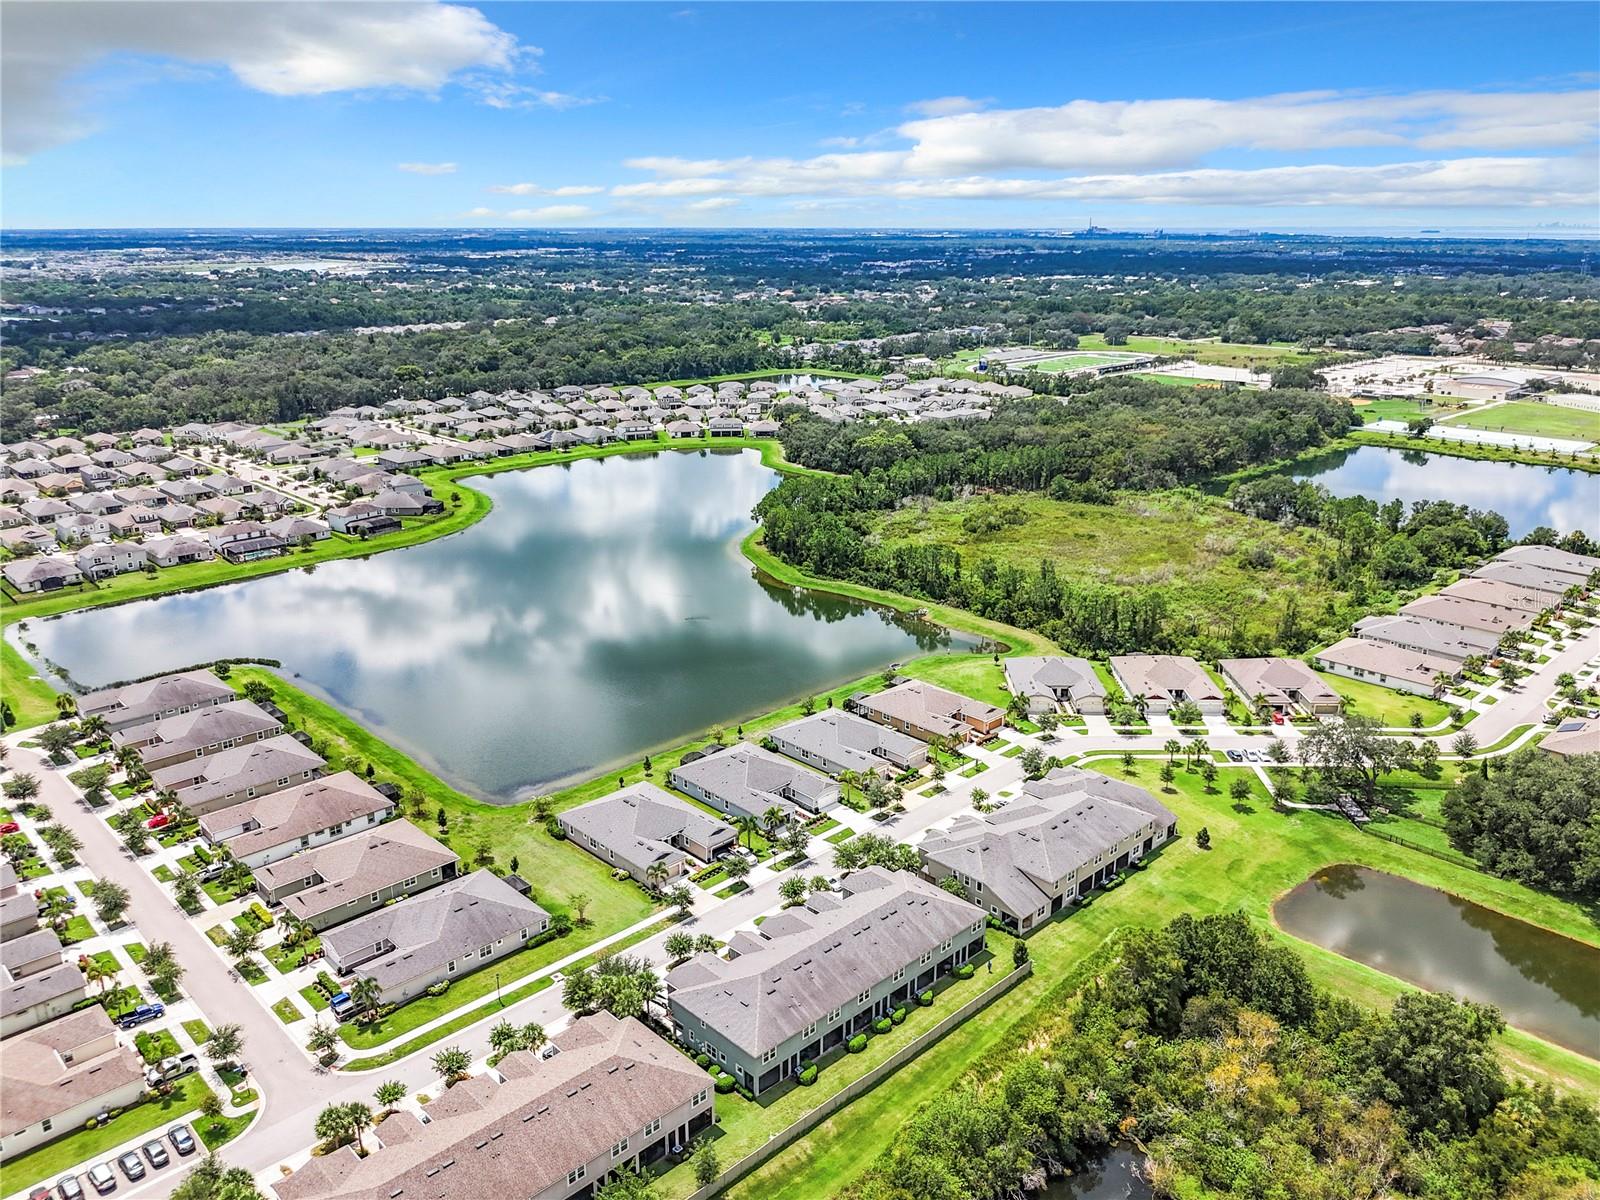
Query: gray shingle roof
point(296, 812)
point(819, 957)
point(639, 823)
point(355, 866)
point(753, 780)
point(257, 764)
point(837, 736)
point(203, 727)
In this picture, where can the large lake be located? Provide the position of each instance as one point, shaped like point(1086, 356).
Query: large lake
point(1526, 496)
point(601, 610)
point(1542, 982)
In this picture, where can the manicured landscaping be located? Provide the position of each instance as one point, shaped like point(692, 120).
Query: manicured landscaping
point(286, 1011)
point(1534, 419)
point(199, 1032)
point(155, 1044)
point(286, 958)
point(1393, 708)
point(313, 996)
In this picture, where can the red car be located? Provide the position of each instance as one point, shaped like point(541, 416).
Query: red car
point(1277, 718)
point(9, 827)
point(157, 821)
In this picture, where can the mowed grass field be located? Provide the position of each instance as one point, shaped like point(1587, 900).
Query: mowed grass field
point(1256, 855)
point(1396, 408)
point(1190, 548)
point(1222, 354)
point(1535, 420)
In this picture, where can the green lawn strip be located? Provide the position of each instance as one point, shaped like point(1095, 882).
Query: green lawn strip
point(155, 1044)
point(199, 1032)
point(1212, 353)
point(1385, 704)
point(842, 835)
point(32, 699)
point(733, 889)
point(1477, 450)
point(313, 996)
point(613, 905)
point(826, 825)
point(975, 675)
point(1012, 752)
point(1534, 420)
point(286, 1011)
point(250, 971)
point(1255, 857)
point(59, 1156)
point(220, 1130)
point(77, 929)
point(471, 1017)
point(1503, 742)
point(136, 951)
point(286, 958)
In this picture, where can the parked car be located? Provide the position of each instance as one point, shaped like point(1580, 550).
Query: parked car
point(158, 821)
point(1277, 718)
point(132, 1165)
point(68, 1188)
point(1252, 756)
point(182, 1140)
point(342, 1006)
point(156, 1153)
point(102, 1178)
point(175, 1066)
point(142, 1015)
point(39, 1193)
point(1234, 756)
point(9, 827)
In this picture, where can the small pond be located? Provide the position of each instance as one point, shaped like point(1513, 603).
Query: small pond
point(1544, 983)
point(1526, 496)
point(1115, 1177)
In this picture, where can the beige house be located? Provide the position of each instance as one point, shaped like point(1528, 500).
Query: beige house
point(1286, 684)
point(1387, 665)
point(55, 1077)
point(926, 711)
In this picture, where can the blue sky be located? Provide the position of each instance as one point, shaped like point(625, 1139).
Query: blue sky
point(1293, 116)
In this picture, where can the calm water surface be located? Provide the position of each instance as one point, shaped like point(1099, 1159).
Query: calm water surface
point(1114, 1177)
point(1526, 496)
point(602, 609)
point(1544, 983)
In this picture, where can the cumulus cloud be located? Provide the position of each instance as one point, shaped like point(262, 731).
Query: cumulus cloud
point(713, 204)
point(505, 93)
point(274, 46)
point(1157, 151)
point(421, 168)
point(946, 106)
point(534, 189)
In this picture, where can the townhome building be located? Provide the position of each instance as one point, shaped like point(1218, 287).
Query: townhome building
point(835, 741)
point(329, 884)
point(240, 773)
point(926, 711)
point(646, 830)
point(151, 699)
point(168, 741)
point(1066, 835)
point(36, 983)
point(56, 1076)
point(745, 781)
point(811, 977)
point(612, 1098)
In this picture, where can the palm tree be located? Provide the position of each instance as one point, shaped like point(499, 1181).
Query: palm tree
point(656, 875)
point(322, 1039)
point(93, 728)
point(451, 1064)
point(225, 1044)
point(332, 1125)
point(1173, 748)
point(773, 820)
point(187, 891)
point(748, 827)
point(389, 1093)
point(503, 1037)
point(847, 780)
point(242, 942)
point(1200, 747)
point(1441, 685)
point(99, 971)
point(367, 995)
point(358, 1117)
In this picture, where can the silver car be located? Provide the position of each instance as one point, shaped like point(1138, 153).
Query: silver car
point(156, 1153)
point(182, 1140)
point(131, 1165)
point(102, 1178)
point(68, 1188)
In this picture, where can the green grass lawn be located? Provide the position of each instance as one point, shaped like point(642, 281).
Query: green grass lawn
point(1387, 705)
point(55, 1158)
point(313, 996)
point(155, 1044)
point(218, 1131)
point(1395, 408)
point(1535, 420)
point(78, 929)
point(1187, 548)
point(1222, 354)
point(975, 675)
point(199, 1032)
point(842, 835)
point(287, 958)
point(286, 1011)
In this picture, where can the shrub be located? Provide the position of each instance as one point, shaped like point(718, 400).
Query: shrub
point(725, 1084)
point(702, 1060)
point(925, 998)
point(440, 988)
point(993, 921)
point(964, 971)
point(857, 1044)
point(326, 985)
point(553, 828)
point(881, 1025)
point(258, 910)
point(92, 1123)
point(711, 1066)
point(898, 1015)
point(808, 1075)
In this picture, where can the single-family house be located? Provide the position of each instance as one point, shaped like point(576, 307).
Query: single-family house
point(1055, 683)
point(1285, 685)
point(926, 711)
point(329, 884)
point(1160, 682)
point(1579, 735)
point(745, 781)
point(104, 559)
point(642, 828)
point(44, 574)
point(835, 741)
point(272, 827)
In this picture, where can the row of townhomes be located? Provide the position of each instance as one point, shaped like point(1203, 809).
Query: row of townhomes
point(811, 977)
point(1422, 648)
point(612, 1098)
point(58, 1067)
point(327, 849)
point(1064, 836)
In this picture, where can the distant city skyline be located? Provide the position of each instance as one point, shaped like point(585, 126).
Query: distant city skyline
point(416, 113)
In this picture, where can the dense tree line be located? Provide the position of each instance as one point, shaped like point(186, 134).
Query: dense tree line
point(1208, 1047)
point(1536, 819)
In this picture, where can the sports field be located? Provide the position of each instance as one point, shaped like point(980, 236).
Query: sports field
point(1535, 420)
point(1222, 354)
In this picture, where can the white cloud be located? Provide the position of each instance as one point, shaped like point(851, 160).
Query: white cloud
point(1156, 151)
point(534, 189)
point(946, 106)
point(480, 211)
point(273, 46)
point(420, 168)
point(551, 212)
point(504, 93)
point(713, 204)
